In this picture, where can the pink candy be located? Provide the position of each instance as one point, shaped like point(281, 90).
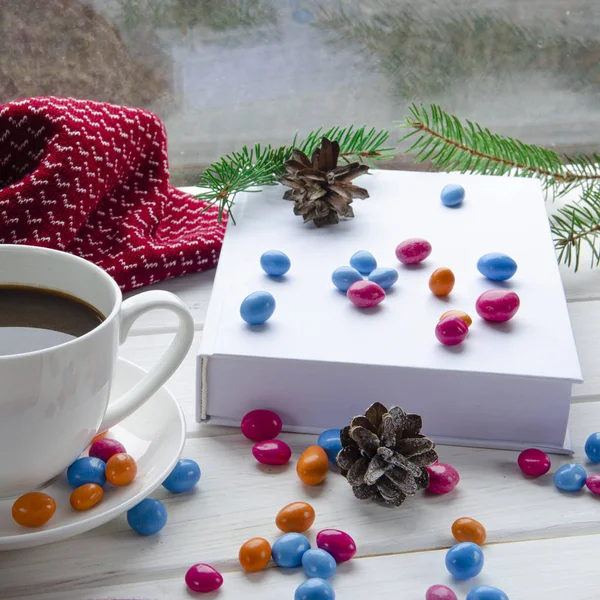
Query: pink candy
point(259, 425)
point(104, 448)
point(203, 578)
point(412, 251)
point(338, 543)
point(593, 483)
point(451, 331)
point(497, 305)
point(272, 452)
point(534, 462)
point(443, 478)
point(365, 294)
point(440, 592)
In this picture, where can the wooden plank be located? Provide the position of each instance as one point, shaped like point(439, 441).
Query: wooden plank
point(536, 570)
point(238, 499)
point(585, 320)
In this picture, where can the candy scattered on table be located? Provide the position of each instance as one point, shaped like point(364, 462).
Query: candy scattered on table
point(255, 554)
point(440, 592)
point(466, 529)
point(457, 313)
point(413, 251)
point(203, 578)
point(318, 563)
point(497, 266)
point(104, 448)
point(441, 281)
point(288, 550)
point(534, 462)
point(99, 436)
point(344, 277)
point(296, 517)
point(464, 560)
point(33, 509)
point(443, 478)
point(363, 261)
point(260, 425)
point(86, 496)
point(330, 441)
point(452, 195)
point(592, 447)
point(121, 469)
point(272, 452)
point(497, 305)
point(451, 331)
point(87, 469)
point(486, 592)
point(148, 517)
point(338, 543)
point(275, 263)
point(365, 294)
point(257, 308)
point(570, 478)
point(313, 465)
point(593, 483)
point(314, 589)
point(384, 277)
point(184, 476)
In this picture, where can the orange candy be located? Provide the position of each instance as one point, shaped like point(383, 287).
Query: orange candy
point(99, 436)
point(466, 529)
point(86, 496)
point(33, 509)
point(121, 469)
point(460, 314)
point(312, 466)
point(441, 281)
point(297, 517)
point(255, 554)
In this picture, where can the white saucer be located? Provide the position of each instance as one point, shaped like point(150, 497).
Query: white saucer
point(154, 435)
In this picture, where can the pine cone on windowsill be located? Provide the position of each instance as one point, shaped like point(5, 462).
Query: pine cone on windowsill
point(384, 456)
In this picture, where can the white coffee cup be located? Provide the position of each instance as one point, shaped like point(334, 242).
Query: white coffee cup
point(54, 400)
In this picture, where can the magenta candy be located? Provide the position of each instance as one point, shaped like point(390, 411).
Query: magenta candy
point(534, 462)
point(497, 305)
point(272, 452)
point(593, 483)
point(104, 448)
point(443, 478)
point(413, 251)
point(365, 294)
point(203, 578)
point(338, 543)
point(440, 592)
point(451, 331)
point(260, 425)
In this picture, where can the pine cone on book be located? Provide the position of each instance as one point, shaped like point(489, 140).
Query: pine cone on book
point(384, 456)
point(322, 192)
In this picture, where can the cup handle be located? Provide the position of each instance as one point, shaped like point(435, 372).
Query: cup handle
point(131, 309)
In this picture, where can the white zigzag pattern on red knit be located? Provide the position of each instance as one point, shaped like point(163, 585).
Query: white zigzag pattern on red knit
point(92, 179)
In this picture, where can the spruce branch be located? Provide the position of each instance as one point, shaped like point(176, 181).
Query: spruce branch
point(263, 165)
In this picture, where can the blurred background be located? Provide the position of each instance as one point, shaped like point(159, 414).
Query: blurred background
point(223, 73)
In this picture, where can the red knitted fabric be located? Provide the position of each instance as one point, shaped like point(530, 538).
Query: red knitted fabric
point(92, 179)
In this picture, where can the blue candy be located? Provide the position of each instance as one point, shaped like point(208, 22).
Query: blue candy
point(452, 194)
point(329, 440)
point(465, 560)
point(570, 478)
point(344, 277)
point(318, 563)
point(275, 263)
point(288, 550)
point(314, 589)
point(486, 592)
point(592, 447)
point(385, 277)
point(183, 477)
point(87, 469)
point(497, 266)
point(257, 308)
point(364, 262)
point(148, 517)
